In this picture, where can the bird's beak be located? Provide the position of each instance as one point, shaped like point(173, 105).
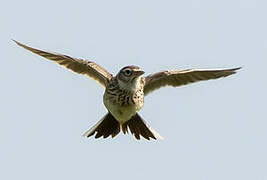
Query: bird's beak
point(139, 72)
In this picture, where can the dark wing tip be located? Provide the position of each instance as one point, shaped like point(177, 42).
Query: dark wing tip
point(16, 42)
point(21, 45)
point(232, 71)
point(235, 69)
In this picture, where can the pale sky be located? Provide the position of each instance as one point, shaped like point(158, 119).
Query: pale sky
point(213, 130)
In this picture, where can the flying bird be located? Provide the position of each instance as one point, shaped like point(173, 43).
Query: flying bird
point(124, 93)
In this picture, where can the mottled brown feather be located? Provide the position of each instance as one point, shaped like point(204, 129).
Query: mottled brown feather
point(139, 127)
point(108, 126)
point(178, 78)
point(80, 66)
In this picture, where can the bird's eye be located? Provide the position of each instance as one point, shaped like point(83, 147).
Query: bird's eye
point(127, 72)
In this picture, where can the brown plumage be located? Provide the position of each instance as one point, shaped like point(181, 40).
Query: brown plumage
point(182, 77)
point(80, 66)
point(124, 93)
point(109, 126)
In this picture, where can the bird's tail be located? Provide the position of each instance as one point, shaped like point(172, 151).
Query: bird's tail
point(139, 127)
point(108, 125)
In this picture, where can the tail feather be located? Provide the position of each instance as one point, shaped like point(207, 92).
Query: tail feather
point(139, 127)
point(108, 125)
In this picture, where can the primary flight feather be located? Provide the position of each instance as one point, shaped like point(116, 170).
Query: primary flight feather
point(125, 92)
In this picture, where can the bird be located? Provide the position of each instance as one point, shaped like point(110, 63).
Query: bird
point(124, 93)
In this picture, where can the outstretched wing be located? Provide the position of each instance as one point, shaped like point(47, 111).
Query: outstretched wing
point(178, 78)
point(80, 66)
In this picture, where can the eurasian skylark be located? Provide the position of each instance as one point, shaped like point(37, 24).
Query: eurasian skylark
point(124, 93)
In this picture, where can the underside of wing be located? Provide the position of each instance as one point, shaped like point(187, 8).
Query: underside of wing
point(80, 66)
point(178, 78)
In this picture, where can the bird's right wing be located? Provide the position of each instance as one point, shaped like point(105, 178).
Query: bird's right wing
point(80, 66)
point(178, 78)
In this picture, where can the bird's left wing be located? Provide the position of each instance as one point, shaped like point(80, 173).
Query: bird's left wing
point(178, 78)
point(80, 66)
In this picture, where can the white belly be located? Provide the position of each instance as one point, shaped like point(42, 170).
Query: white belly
point(122, 113)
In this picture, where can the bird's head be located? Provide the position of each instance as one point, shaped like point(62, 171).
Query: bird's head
point(129, 77)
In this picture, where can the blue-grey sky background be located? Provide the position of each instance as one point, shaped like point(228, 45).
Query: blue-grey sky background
point(213, 130)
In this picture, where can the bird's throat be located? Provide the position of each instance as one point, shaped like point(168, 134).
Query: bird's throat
point(131, 86)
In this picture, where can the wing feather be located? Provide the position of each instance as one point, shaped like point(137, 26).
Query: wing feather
point(178, 78)
point(80, 66)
